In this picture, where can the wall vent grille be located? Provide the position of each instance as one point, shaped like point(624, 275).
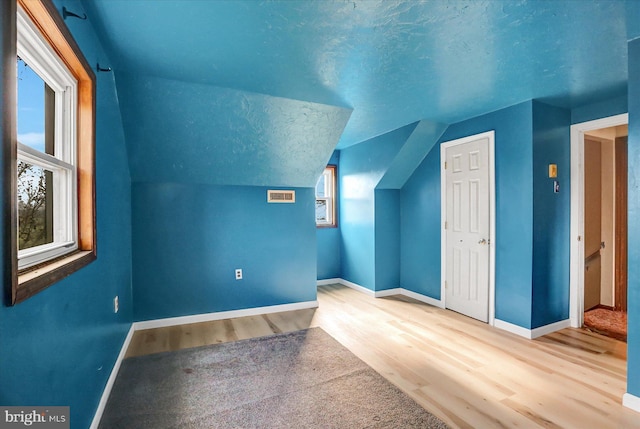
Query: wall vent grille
point(280, 196)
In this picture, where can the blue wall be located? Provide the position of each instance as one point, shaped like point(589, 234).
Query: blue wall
point(514, 205)
point(633, 222)
point(58, 347)
point(221, 136)
point(191, 232)
point(551, 214)
point(329, 238)
point(189, 239)
point(387, 236)
point(514, 213)
point(329, 244)
point(633, 19)
point(361, 168)
point(415, 149)
point(420, 228)
point(602, 109)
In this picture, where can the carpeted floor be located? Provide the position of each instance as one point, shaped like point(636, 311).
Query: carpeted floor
point(304, 379)
point(607, 322)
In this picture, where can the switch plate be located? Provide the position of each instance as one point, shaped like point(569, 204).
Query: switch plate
point(116, 304)
point(238, 274)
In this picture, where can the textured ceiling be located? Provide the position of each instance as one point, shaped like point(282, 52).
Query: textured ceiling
point(392, 62)
point(182, 132)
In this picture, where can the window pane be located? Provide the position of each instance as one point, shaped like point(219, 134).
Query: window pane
point(36, 105)
point(320, 187)
point(35, 206)
point(322, 211)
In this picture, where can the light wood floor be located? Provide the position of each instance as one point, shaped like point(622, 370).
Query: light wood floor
point(465, 372)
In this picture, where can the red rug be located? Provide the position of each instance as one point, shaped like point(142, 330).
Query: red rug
point(607, 322)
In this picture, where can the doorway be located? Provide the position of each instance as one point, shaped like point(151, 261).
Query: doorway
point(599, 225)
point(468, 237)
point(605, 209)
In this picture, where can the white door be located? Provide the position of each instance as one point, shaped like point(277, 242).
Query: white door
point(467, 228)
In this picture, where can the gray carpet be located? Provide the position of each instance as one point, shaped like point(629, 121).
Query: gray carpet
point(303, 379)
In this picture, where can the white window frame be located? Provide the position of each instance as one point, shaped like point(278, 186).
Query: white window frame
point(33, 48)
point(329, 175)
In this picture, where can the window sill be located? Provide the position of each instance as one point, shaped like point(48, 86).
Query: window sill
point(34, 280)
point(326, 226)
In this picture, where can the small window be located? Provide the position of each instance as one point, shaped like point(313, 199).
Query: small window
point(54, 216)
point(325, 198)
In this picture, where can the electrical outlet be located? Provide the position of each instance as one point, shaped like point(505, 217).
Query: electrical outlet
point(116, 305)
point(238, 274)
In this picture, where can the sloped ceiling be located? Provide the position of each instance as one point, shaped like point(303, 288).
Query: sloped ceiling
point(392, 62)
point(192, 133)
point(413, 151)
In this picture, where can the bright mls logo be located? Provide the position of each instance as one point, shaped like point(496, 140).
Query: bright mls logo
point(36, 417)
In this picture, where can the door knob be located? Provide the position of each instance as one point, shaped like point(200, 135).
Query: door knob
point(483, 241)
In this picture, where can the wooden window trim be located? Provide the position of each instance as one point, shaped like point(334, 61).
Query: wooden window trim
point(24, 284)
point(334, 197)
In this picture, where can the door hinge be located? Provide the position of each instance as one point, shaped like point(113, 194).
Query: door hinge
point(445, 165)
point(445, 284)
point(445, 224)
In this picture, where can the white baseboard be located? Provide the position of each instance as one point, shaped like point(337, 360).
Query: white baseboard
point(325, 282)
point(631, 401)
point(423, 298)
point(514, 329)
point(208, 317)
point(356, 286)
point(552, 327)
point(112, 379)
point(531, 333)
point(387, 292)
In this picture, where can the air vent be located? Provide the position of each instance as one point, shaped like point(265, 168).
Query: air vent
point(281, 196)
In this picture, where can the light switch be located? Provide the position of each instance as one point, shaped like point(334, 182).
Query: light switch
point(553, 171)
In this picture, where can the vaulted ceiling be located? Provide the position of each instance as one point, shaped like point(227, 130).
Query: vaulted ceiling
point(375, 66)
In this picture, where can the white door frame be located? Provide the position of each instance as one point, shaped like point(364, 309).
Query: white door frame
point(576, 273)
point(492, 218)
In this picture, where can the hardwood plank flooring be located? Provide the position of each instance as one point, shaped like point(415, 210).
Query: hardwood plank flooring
point(467, 373)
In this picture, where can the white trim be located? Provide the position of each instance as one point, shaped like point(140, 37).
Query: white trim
point(490, 135)
point(631, 401)
point(552, 327)
point(112, 379)
point(422, 298)
point(388, 292)
point(382, 293)
point(39, 55)
point(329, 197)
point(531, 333)
point(576, 273)
point(332, 281)
point(514, 329)
point(220, 315)
point(443, 230)
point(357, 287)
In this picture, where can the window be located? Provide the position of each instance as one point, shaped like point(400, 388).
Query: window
point(326, 197)
point(46, 109)
point(53, 222)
